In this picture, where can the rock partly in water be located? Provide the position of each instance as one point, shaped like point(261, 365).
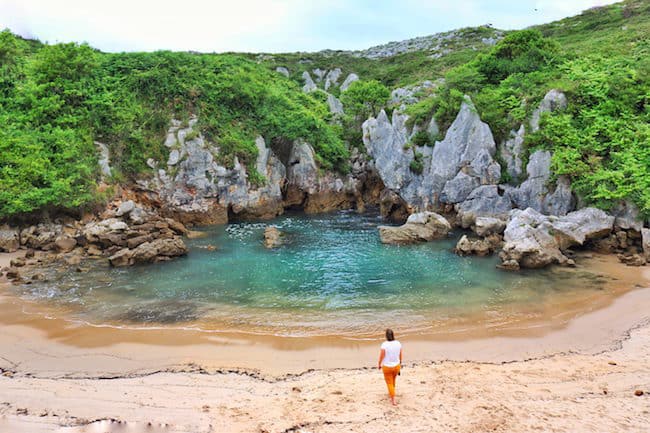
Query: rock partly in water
point(273, 238)
point(419, 227)
point(467, 246)
point(392, 207)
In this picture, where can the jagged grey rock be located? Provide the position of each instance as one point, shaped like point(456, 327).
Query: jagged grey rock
point(335, 106)
point(511, 151)
point(528, 242)
point(349, 80)
point(531, 193)
point(627, 216)
point(282, 70)
point(319, 74)
point(309, 86)
point(483, 201)
point(104, 159)
point(459, 188)
point(580, 226)
point(125, 208)
point(561, 201)
point(174, 157)
point(332, 78)
point(554, 100)
point(485, 226)
point(419, 227)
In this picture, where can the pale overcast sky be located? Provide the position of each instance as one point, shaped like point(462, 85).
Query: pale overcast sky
point(266, 25)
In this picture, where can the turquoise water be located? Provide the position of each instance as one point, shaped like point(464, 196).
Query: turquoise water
point(332, 277)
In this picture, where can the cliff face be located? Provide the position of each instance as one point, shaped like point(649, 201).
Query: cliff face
point(196, 186)
point(462, 171)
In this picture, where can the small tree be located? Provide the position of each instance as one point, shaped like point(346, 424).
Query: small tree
point(365, 98)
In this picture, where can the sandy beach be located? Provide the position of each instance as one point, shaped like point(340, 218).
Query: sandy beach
point(58, 376)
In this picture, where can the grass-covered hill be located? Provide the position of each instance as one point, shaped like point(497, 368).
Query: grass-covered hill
point(57, 100)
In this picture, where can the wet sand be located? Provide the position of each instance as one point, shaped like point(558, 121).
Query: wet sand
point(549, 377)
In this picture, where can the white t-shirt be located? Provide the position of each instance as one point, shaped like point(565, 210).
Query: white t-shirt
point(392, 348)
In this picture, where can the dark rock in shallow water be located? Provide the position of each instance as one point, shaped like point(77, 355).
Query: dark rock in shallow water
point(419, 227)
point(164, 312)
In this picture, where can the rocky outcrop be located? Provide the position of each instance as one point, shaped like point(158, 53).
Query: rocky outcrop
point(554, 100)
point(104, 159)
point(9, 239)
point(511, 152)
point(467, 246)
point(484, 201)
point(282, 70)
point(486, 226)
point(273, 238)
point(149, 252)
point(349, 80)
point(645, 233)
point(309, 85)
point(534, 191)
point(41, 236)
point(392, 207)
point(197, 188)
point(534, 240)
point(419, 227)
point(451, 169)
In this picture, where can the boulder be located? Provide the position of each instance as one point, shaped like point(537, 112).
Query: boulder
point(9, 239)
point(282, 70)
point(627, 217)
point(484, 201)
point(478, 247)
point(632, 259)
point(65, 244)
point(176, 226)
point(485, 226)
point(121, 258)
point(125, 208)
point(273, 238)
point(332, 78)
point(174, 247)
point(41, 236)
point(528, 242)
point(94, 230)
point(17, 262)
point(13, 274)
point(532, 191)
point(419, 227)
point(335, 106)
point(580, 226)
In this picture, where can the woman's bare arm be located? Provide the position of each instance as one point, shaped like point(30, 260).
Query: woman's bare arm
point(382, 353)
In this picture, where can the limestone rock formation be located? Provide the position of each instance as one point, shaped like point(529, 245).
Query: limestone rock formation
point(534, 240)
point(349, 80)
point(309, 86)
point(554, 100)
point(282, 70)
point(40, 236)
point(485, 226)
point(468, 147)
point(104, 159)
point(646, 243)
point(419, 227)
point(484, 201)
point(511, 152)
point(528, 243)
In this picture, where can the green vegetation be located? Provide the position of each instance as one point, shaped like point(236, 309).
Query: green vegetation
point(417, 165)
point(56, 100)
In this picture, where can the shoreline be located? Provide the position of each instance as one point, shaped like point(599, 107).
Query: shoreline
point(64, 377)
point(65, 347)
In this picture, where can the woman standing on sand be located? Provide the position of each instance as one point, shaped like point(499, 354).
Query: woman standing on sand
point(390, 360)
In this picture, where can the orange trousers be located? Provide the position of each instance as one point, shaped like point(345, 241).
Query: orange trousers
point(390, 374)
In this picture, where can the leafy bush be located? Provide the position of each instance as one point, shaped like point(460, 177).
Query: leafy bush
point(417, 165)
point(365, 98)
point(422, 138)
